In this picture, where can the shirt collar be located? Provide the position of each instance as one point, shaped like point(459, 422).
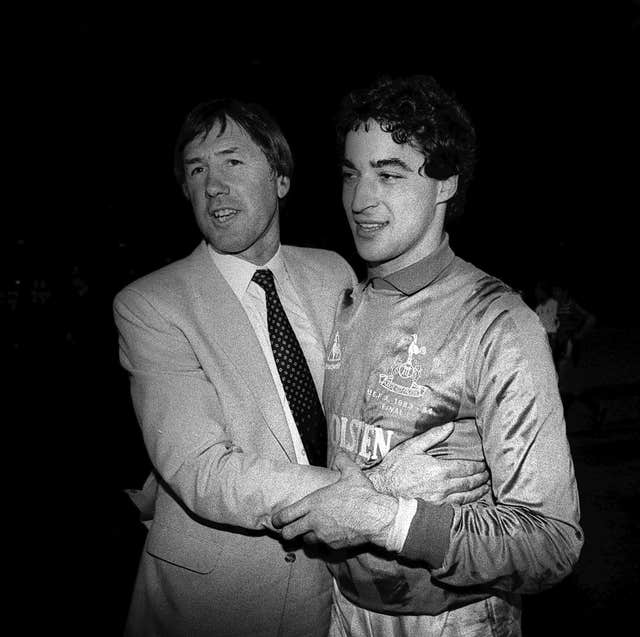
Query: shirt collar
point(419, 275)
point(238, 272)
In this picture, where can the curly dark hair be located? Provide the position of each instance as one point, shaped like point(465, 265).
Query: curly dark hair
point(418, 111)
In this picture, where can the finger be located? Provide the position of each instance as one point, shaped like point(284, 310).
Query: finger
point(427, 440)
point(311, 538)
point(344, 464)
point(468, 483)
point(468, 496)
point(299, 527)
point(290, 513)
point(464, 468)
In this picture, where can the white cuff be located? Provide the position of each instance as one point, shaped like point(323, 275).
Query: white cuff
point(406, 511)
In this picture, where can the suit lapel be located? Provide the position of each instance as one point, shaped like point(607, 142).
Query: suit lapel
point(225, 322)
point(309, 285)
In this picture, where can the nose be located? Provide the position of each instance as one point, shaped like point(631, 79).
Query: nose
point(215, 186)
point(363, 196)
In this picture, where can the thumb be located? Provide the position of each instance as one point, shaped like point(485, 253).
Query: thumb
point(344, 464)
point(427, 440)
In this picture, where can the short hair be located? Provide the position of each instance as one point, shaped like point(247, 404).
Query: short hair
point(418, 111)
point(252, 118)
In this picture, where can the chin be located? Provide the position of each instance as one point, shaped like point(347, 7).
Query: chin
point(369, 255)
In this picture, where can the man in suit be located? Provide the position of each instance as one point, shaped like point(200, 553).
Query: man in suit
point(218, 404)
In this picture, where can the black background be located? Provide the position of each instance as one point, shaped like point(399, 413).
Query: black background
point(547, 88)
point(95, 101)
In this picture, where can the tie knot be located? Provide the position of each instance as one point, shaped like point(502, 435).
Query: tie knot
point(264, 278)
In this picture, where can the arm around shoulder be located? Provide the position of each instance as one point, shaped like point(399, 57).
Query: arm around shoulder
point(185, 429)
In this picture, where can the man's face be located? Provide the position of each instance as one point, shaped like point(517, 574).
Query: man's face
point(234, 193)
point(396, 213)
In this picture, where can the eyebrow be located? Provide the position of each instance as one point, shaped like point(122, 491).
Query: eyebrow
point(200, 159)
point(391, 162)
point(382, 163)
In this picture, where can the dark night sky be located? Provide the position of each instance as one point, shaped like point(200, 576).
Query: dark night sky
point(546, 89)
point(95, 102)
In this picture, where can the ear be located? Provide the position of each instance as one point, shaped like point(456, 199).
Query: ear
point(447, 188)
point(185, 192)
point(282, 183)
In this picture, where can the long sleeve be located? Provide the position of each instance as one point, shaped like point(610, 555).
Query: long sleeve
point(188, 431)
point(528, 538)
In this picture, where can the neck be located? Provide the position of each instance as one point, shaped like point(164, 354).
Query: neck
point(427, 245)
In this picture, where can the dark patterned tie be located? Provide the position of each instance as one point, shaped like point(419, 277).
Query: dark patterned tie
point(297, 381)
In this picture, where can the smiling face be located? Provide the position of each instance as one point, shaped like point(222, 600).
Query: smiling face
point(234, 193)
point(396, 213)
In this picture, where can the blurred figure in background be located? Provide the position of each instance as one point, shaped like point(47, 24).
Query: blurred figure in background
point(574, 323)
point(547, 310)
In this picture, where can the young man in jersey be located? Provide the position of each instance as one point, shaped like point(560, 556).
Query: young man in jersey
point(429, 338)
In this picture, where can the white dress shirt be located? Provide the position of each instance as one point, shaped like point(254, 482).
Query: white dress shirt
point(238, 274)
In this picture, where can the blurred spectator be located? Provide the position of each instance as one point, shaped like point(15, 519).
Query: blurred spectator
point(44, 320)
point(40, 292)
point(547, 310)
point(574, 323)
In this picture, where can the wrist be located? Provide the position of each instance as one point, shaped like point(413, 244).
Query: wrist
point(377, 478)
point(401, 524)
point(386, 509)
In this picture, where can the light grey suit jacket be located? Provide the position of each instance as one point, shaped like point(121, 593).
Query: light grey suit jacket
point(216, 434)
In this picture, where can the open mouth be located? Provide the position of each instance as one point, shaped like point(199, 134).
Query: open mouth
point(370, 227)
point(223, 215)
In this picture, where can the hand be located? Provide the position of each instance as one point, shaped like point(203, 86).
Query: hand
point(409, 472)
point(346, 513)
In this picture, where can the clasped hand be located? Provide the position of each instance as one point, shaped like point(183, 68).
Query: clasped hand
point(361, 506)
point(346, 513)
point(408, 471)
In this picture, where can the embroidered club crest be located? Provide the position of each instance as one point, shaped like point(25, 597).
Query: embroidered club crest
point(407, 371)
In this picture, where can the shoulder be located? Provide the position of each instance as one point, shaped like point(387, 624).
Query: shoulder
point(508, 331)
point(510, 306)
point(165, 283)
point(314, 257)
point(491, 301)
point(322, 264)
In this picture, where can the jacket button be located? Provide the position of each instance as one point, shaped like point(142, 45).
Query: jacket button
point(290, 557)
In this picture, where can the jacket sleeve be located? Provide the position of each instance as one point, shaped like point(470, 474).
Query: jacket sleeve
point(185, 432)
point(350, 279)
point(528, 538)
